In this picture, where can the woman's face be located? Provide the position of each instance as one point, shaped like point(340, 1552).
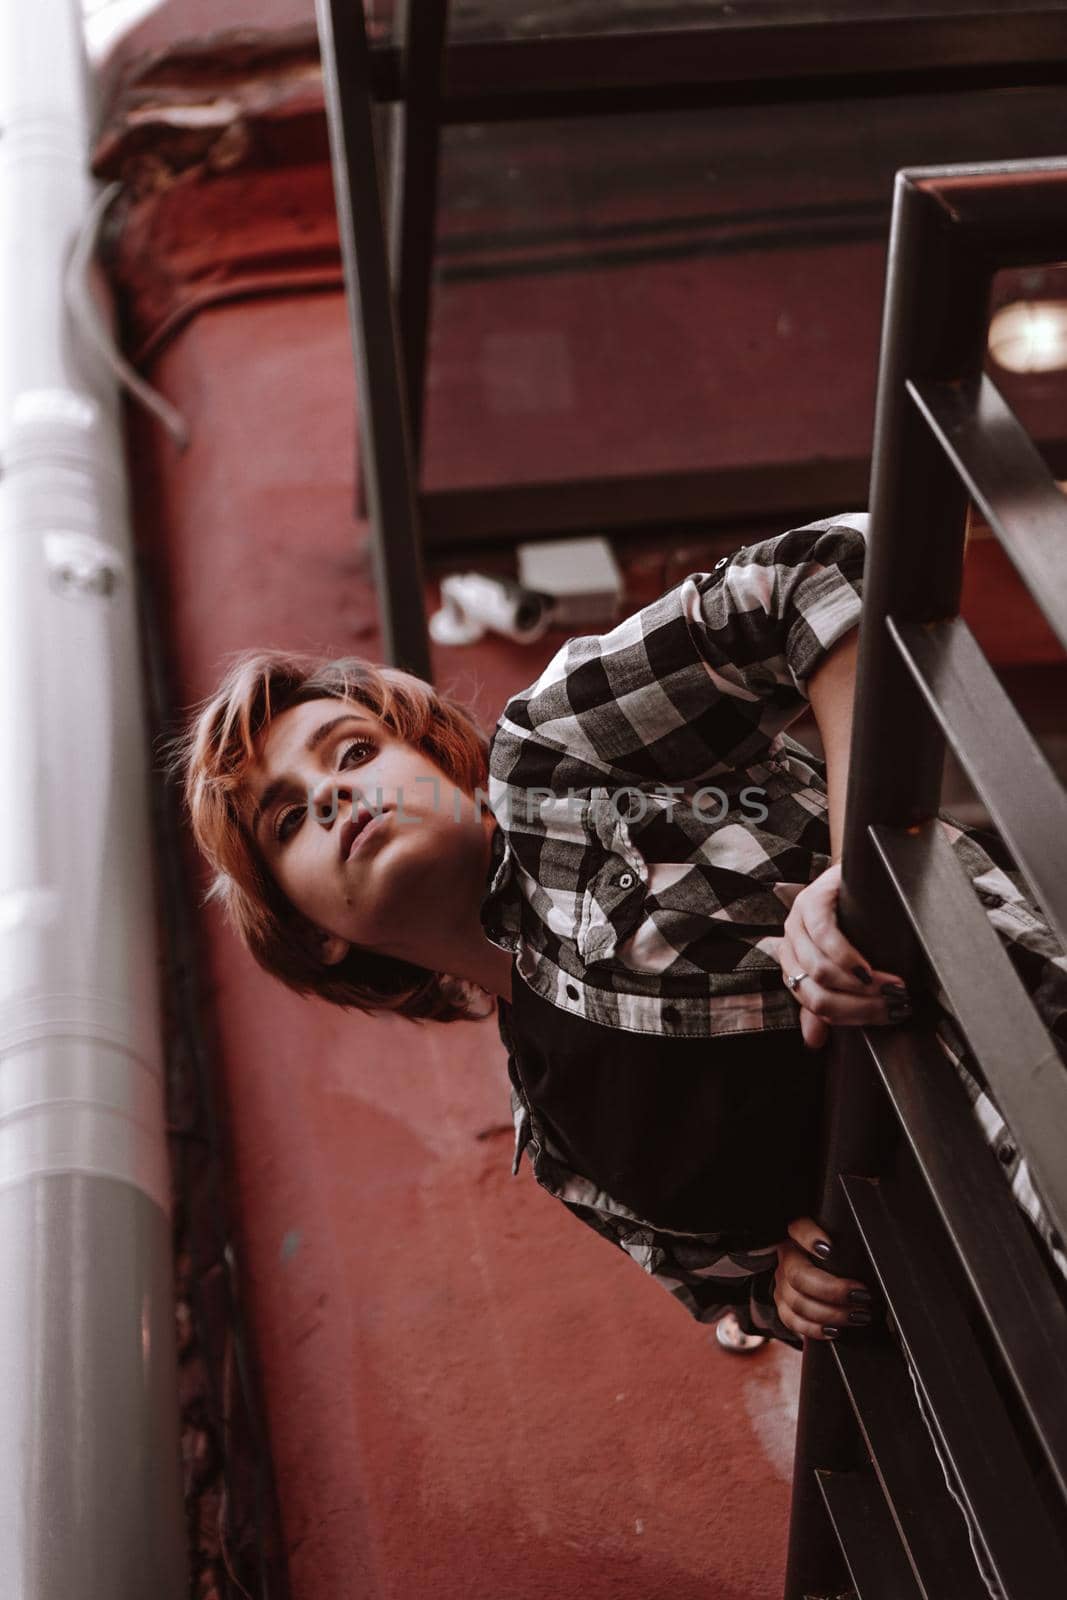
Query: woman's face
point(421, 856)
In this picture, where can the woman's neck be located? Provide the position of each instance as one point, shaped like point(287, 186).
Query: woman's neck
point(455, 941)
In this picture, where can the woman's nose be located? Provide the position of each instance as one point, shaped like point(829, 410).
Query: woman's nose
point(332, 795)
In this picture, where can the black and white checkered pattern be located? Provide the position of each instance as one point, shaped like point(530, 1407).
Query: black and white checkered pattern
point(656, 823)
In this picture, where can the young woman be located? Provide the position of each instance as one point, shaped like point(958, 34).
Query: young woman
point(639, 869)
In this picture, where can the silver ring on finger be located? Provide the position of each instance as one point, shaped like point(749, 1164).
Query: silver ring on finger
point(791, 982)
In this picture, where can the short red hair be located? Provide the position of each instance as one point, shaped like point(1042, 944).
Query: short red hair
point(211, 759)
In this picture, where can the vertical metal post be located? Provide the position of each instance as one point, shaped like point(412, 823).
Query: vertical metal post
point(413, 168)
point(384, 425)
point(857, 1129)
point(933, 328)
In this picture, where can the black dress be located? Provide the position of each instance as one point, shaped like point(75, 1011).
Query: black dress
point(712, 1135)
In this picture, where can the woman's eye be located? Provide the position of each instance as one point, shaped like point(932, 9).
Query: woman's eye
point(281, 830)
point(360, 744)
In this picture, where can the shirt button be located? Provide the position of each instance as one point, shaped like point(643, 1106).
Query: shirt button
point(626, 881)
point(572, 992)
point(1006, 1153)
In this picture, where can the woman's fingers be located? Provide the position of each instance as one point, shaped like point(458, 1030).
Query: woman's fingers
point(819, 992)
point(812, 1302)
point(813, 1030)
point(821, 1319)
point(831, 959)
point(808, 1236)
point(817, 960)
point(823, 1006)
point(813, 926)
point(819, 928)
point(852, 1011)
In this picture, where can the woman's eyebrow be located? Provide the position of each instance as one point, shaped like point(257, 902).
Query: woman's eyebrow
point(278, 786)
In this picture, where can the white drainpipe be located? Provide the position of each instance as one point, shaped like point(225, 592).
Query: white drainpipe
point(90, 1471)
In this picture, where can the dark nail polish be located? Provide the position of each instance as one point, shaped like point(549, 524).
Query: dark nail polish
point(860, 1318)
point(860, 1297)
point(831, 1333)
point(821, 1248)
point(899, 1011)
point(894, 991)
point(862, 974)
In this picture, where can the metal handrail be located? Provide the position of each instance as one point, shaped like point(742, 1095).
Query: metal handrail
point(913, 1195)
point(724, 63)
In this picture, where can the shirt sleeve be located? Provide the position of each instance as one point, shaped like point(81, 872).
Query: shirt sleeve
point(700, 681)
point(750, 1296)
point(706, 1277)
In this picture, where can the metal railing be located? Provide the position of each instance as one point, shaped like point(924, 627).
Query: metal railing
point(975, 1355)
point(913, 1192)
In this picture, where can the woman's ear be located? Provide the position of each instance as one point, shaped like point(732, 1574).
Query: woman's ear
point(332, 948)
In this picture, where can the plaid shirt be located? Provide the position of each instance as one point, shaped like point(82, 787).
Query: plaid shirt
point(656, 823)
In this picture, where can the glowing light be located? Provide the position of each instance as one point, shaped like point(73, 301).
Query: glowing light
point(1030, 336)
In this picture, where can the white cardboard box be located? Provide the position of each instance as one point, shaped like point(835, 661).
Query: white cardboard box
point(581, 575)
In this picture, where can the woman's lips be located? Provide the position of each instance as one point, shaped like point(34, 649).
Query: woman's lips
point(368, 828)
